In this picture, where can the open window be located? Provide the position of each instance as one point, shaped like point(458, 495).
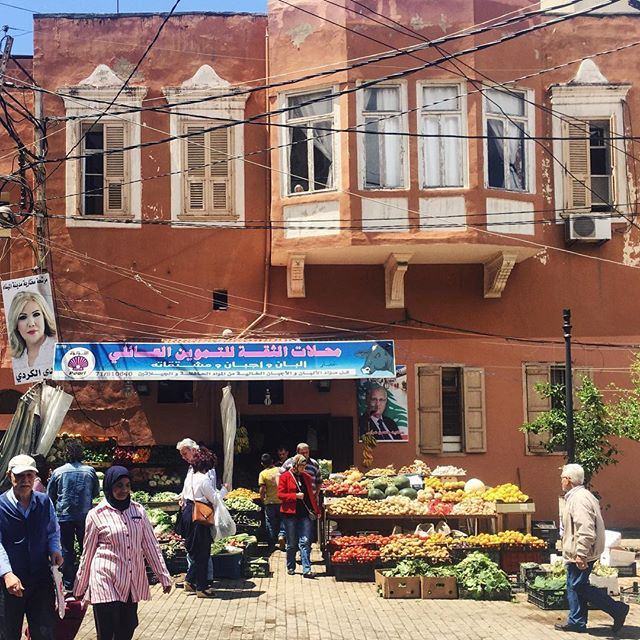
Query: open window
point(507, 130)
point(310, 154)
point(451, 409)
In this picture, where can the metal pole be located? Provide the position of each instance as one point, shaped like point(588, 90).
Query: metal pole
point(40, 207)
point(571, 443)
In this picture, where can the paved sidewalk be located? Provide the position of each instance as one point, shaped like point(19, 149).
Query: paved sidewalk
point(291, 608)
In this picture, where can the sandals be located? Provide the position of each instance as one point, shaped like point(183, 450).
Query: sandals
point(207, 593)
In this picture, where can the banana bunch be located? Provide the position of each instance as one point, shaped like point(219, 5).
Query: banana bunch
point(369, 441)
point(241, 443)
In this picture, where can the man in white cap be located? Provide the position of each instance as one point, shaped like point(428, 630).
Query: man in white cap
point(29, 545)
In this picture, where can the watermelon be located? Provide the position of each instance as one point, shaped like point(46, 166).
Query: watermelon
point(408, 492)
point(402, 482)
point(380, 485)
point(376, 494)
point(391, 490)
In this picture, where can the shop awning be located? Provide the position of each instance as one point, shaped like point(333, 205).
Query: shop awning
point(224, 360)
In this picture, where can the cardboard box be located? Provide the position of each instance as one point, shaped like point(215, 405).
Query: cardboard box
point(439, 588)
point(398, 587)
point(620, 557)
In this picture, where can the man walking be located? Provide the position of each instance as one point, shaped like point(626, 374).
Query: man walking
point(72, 488)
point(29, 545)
point(582, 544)
point(312, 468)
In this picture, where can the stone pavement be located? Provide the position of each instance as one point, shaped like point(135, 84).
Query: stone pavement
point(287, 607)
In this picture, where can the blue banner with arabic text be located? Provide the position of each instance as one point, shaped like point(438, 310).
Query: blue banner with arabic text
point(224, 360)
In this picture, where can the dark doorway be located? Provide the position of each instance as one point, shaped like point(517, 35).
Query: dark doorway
point(334, 438)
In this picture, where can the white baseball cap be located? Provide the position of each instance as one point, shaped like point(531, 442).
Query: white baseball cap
point(20, 464)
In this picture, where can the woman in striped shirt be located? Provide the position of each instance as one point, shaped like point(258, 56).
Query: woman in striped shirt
point(112, 575)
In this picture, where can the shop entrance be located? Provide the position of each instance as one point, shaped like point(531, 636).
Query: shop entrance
point(329, 437)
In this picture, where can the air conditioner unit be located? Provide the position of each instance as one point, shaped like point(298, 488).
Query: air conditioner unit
point(588, 227)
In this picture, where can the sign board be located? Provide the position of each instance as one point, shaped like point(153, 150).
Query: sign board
point(224, 360)
point(31, 327)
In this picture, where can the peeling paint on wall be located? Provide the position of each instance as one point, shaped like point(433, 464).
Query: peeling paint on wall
point(300, 33)
point(542, 257)
point(123, 67)
point(417, 23)
point(547, 187)
point(631, 250)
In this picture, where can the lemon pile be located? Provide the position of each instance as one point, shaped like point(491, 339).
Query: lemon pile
point(505, 493)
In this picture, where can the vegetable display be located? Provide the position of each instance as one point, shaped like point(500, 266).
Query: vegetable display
point(240, 504)
point(243, 493)
point(355, 555)
point(481, 579)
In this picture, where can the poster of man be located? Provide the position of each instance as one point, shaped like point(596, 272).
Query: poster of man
point(31, 327)
point(382, 407)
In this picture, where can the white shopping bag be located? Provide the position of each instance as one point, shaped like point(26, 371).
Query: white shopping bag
point(57, 582)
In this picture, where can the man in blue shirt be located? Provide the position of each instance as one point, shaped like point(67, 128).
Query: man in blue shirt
point(72, 488)
point(29, 545)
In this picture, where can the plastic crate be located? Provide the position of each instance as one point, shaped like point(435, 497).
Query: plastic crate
point(548, 600)
point(177, 564)
point(627, 571)
point(354, 572)
point(257, 569)
point(228, 566)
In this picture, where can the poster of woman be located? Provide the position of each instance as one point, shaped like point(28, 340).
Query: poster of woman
point(31, 327)
point(382, 407)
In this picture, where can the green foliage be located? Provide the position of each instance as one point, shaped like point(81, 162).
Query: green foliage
point(595, 423)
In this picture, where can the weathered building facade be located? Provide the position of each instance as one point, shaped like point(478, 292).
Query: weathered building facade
point(373, 182)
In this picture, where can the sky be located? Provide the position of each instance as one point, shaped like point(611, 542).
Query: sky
point(17, 13)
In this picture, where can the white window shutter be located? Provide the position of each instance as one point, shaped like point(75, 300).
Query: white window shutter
point(196, 169)
point(219, 169)
point(577, 166)
point(430, 409)
point(536, 405)
point(114, 168)
point(475, 429)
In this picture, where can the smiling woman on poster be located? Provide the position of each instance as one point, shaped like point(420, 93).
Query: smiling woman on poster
point(32, 331)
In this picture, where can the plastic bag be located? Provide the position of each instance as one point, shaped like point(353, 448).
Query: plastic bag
point(223, 524)
point(425, 530)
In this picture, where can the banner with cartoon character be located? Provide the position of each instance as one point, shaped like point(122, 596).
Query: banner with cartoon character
point(382, 407)
point(224, 360)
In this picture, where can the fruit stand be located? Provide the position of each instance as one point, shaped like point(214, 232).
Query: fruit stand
point(383, 499)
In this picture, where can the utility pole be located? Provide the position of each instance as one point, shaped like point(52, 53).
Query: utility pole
point(568, 385)
point(6, 54)
point(40, 204)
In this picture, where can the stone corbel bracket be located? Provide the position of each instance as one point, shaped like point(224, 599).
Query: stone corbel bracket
point(395, 267)
point(496, 273)
point(295, 276)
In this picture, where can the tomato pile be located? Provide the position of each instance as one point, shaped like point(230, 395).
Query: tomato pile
point(337, 488)
point(372, 540)
point(439, 508)
point(355, 555)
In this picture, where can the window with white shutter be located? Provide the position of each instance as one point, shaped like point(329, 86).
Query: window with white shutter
point(589, 171)
point(451, 410)
point(207, 170)
point(103, 175)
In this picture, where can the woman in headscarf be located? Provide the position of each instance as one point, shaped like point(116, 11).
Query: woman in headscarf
point(112, 575)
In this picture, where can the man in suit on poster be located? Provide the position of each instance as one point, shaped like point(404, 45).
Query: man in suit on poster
point(374, 420)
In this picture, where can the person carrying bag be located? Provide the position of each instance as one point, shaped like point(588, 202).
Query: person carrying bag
point(197, 520)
